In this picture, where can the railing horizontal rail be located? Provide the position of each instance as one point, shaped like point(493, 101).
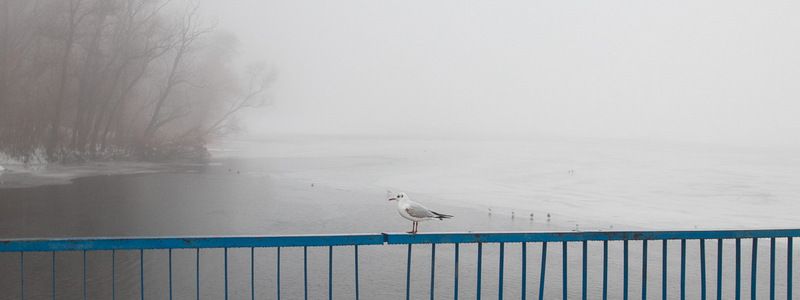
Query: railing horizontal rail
point(576, 236)
point(135, 243)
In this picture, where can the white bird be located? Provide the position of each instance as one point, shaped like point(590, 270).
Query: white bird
point(414, 211)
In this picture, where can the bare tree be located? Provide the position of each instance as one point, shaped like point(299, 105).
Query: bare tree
point(84, 79)
point(252, 97)
point(188, 34)
point(75, 15)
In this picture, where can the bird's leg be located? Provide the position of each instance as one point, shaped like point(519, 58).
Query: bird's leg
point(413, 226)
point(416, 226)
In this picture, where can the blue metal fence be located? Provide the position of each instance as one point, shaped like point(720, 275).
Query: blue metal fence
point(53, 246)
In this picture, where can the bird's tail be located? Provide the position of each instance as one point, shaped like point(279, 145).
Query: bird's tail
point(441, 216)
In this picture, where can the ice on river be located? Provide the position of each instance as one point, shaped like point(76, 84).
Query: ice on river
point(595, 183)
point(18, 175)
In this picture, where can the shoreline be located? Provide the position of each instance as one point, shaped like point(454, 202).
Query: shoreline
point(20, 176)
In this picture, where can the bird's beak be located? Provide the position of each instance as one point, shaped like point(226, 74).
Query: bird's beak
point(392, 199)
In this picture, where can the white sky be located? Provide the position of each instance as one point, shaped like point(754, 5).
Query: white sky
point(720, 71)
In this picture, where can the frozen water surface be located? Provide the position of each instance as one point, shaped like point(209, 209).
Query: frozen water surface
point(324, 185)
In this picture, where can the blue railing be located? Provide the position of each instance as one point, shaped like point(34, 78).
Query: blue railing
point(54, 246)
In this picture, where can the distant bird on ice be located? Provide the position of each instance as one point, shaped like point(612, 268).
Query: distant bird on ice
point(414, 211)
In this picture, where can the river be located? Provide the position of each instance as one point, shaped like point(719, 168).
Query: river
point(327, 185)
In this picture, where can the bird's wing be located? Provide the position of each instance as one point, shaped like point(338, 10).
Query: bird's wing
point(418, 211)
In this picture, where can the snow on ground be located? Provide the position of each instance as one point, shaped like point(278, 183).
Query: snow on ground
point(14, 174)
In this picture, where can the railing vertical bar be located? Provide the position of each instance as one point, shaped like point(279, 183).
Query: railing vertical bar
point(524, 270)
point(113, 274)
point(625, 269)
point(738, 290)
point(53, 267)
point(644, 269)
point(789, 268)
point(664, 269)
point(683, 269)
point(141, 273)
point(84, 275)
point(702, 269)
point(252, 273)
point(197, 272)
point(753, 269)
point(605, 270)
point(433, 268)
point(455, 273)
point(278, 272)
point(564, 275)
point(772, 268)
point(585, 261)
point(500, 279)
point(355, 250)
point(480, 264)
point(226, 273)
point(408, 273)
point(170, 273)
point(305, 273)
point(330, 272)
point(22, 275)
point(755, 236)
point(719, 269)
point(543, 269)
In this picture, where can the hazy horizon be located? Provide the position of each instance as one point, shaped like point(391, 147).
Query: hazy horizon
point(710, 71)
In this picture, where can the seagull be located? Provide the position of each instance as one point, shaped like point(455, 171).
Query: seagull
point(414, 211)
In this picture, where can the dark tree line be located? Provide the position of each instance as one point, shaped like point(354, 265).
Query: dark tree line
point(103, 79)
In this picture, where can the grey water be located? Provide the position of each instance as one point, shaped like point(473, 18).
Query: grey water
point(203, 201)
point(291, 188)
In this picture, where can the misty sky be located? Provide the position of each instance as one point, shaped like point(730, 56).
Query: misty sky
point(719, 71)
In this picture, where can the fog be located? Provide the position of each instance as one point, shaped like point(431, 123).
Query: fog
point(709, 71)
point(211, 118)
